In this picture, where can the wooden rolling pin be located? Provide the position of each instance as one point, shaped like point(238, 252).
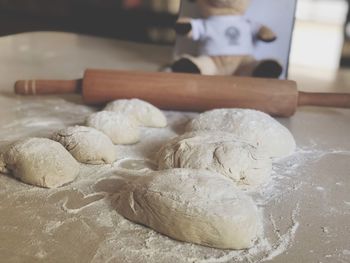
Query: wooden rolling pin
point(188, 92)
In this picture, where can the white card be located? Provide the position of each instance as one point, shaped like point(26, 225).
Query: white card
point(278, 15)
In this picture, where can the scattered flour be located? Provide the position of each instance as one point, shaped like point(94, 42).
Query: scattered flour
point(82, 212)
point(284, 240)
point(52, 226)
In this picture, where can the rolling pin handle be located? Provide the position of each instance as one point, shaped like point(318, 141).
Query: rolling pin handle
point(339, 100)
point(37, 87)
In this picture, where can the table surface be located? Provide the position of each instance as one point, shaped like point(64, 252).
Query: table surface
point(306, 206)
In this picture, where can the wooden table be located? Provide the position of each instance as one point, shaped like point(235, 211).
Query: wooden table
point(306, 207)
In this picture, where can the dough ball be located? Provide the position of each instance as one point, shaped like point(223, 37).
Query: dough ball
point(143, 112)
point(253, 126)
point(41, 162)
point(117, 126)
point(219, 152)
point(86, 144)
point(194, 206)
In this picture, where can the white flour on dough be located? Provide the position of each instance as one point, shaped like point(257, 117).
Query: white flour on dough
point(120, 128)
point(40, 162)
point(86, 144)
point(187, 205)
point(255, 127)
point(144, 113)
point(220, 152)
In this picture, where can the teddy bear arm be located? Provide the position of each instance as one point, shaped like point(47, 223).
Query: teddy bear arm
point(183, 27)
point(266, 34)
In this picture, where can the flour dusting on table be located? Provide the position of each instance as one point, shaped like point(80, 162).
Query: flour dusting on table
point(78, 221)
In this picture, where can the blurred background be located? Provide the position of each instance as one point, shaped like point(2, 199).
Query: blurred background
point(321, 35)
point(137, 20)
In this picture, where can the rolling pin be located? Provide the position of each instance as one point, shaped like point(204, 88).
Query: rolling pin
point(186, 92)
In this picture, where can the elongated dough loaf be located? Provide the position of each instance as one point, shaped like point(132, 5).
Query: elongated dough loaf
point(194, 206)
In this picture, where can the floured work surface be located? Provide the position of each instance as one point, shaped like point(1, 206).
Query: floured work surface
point(306, 206)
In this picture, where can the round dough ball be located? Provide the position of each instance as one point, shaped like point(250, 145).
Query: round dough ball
point(86, 144)
point(41, 162)
point(143, 112)
point(219, 152)
point(117, 126)
point(194, 206)
point(253, 126)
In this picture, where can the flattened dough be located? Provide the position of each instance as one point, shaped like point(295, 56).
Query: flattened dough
point(143, 112)
point(117, 126)
point(219, 152)
point(41, 162)
point(253, 126)
point(86, 144)
point(194, 206)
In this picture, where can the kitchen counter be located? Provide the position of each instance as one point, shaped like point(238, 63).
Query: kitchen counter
point(306, 205)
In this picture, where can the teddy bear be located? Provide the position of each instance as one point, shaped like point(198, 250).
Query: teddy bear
point(226, 39)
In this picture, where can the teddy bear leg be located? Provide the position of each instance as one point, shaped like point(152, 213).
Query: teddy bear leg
point(188, 64)
point(227, 65)
point(185, 65)
point(268, 69)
